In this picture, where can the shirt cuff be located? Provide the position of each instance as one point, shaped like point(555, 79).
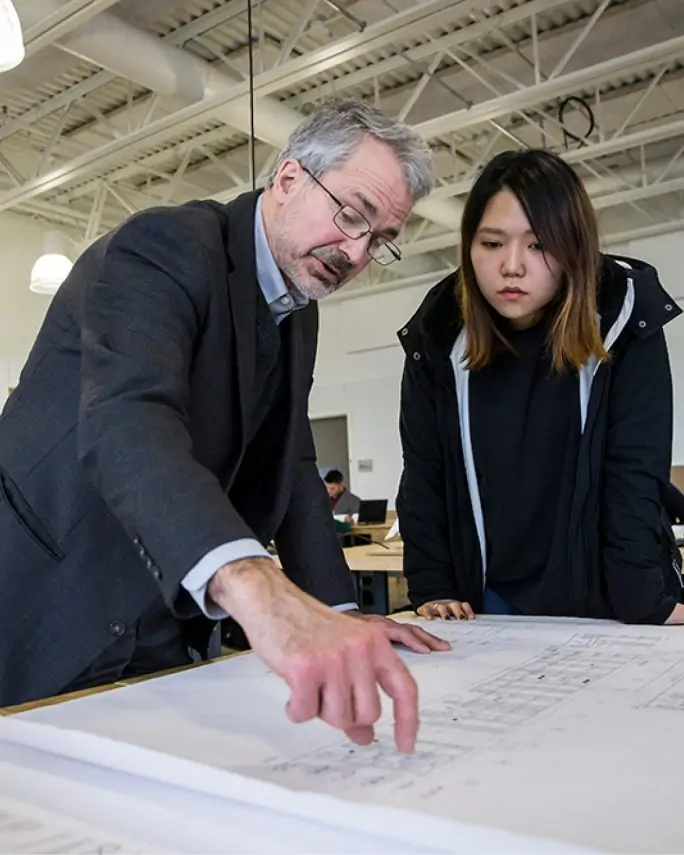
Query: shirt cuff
point(196, 580)
point(346, 607)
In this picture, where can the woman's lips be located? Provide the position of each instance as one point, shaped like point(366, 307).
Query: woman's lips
point(512, 293)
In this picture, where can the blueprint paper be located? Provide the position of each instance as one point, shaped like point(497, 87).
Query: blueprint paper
point(561, 729)
point(24, 828)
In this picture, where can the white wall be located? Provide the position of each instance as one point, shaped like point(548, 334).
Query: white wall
point(21, 311)
point(360, 362)
point(358, 375)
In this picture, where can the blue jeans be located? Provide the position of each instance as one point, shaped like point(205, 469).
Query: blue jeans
point(496, 605)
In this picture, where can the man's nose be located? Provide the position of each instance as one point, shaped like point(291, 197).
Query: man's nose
point(357, 250)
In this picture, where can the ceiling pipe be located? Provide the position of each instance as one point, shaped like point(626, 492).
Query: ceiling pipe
point(185, 79)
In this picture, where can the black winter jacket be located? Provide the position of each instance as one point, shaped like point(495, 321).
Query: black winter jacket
point(621, 560)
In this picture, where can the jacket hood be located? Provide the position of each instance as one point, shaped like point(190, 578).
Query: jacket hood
point(439, 321)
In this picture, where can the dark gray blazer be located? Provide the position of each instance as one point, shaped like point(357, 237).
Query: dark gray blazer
point(120, 444)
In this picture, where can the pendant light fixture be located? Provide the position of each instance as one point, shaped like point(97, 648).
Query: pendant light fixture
point(12, 51)
point(53, 266)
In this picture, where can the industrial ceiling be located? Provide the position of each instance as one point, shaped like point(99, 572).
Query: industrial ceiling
point(123, 105)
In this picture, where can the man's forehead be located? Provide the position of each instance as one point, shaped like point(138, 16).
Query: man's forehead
point(367, 205)
point(378, 212)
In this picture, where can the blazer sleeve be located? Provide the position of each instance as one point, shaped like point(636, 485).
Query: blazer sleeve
point(307, 542)
point(141, 320)
point(636, 470)
point(421, 502)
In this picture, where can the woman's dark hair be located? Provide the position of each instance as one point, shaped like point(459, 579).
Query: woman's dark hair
point(562, 218)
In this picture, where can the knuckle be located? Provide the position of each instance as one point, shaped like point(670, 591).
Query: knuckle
point(335, 660)
point(378, 639)
point(357, 647)
point(303, 668)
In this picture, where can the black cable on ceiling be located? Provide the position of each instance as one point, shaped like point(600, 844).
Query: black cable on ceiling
point(250, 54)
point(585, 109)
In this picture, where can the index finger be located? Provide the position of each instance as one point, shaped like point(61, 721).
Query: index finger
point(396, 681)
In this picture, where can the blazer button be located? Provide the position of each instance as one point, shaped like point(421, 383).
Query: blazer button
point(117, 628)
point(416, 356)
point(404, 332)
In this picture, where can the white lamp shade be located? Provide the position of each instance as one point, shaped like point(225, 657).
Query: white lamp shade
point(12, 50)
point(49, 272)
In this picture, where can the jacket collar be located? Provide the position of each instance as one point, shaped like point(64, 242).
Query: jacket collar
point(653, 306)
point(438, 321)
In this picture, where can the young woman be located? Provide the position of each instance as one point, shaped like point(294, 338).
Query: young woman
point(536, 416)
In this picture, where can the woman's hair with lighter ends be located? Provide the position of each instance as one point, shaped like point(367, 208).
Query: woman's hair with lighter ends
point(561, 216)
point(331, 134)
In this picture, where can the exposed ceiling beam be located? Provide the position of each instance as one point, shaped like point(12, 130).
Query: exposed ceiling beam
point(589, 77)
point(593, 151)
point(635, 194)
point(174, 73)
point(195, 28)
point(644, 232)
point(469, 32)
point(112, 154)
point(60, 22)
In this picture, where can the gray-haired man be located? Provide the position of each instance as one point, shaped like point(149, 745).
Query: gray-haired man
point(169, 381)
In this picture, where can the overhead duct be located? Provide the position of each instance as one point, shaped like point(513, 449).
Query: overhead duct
point(185, 79)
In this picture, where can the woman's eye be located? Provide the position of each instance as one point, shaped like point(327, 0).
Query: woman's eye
point(537, 247)
point(491, 244)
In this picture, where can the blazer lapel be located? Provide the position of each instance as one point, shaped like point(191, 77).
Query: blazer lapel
point(242, 294)
point(298, 381)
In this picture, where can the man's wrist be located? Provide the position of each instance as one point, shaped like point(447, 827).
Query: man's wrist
point(240, 582)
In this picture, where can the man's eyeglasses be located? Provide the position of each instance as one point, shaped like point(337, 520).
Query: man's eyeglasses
point(354, 225)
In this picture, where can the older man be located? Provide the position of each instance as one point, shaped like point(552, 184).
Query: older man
point(169, 380)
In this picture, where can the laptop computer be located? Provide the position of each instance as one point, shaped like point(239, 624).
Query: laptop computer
point(373, 511)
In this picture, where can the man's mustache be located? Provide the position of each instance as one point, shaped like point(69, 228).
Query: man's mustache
point(336, 261)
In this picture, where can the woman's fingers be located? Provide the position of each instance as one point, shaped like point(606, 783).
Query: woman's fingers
point(446, 610)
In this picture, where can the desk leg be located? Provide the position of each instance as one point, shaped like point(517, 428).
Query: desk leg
point(372, 591)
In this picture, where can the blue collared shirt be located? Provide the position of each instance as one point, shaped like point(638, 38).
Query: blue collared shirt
point(281, 302)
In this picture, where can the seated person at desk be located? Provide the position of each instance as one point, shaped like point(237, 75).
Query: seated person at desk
point(342, 501)
point(158, 439)
point(536, 416)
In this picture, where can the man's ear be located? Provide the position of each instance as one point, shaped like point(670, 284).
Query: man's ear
point(287, 175)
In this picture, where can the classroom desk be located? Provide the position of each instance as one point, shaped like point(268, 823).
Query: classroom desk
point(378, 576)
point(374, 531)
point(378, 573)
